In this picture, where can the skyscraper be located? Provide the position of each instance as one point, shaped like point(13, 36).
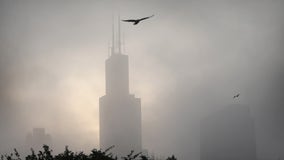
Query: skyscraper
point(120, 111)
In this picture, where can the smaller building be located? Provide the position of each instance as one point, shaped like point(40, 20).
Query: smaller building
point(228, 134)
point(38, 138)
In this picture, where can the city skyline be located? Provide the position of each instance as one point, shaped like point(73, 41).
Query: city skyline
point(186, 62)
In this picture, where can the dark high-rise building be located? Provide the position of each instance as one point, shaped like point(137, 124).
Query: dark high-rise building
point(120, 111)
point(228, 135)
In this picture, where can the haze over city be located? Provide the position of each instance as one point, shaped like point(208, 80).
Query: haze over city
point(185, 63)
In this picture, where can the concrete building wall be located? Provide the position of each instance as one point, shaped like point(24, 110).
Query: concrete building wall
point(120, 112)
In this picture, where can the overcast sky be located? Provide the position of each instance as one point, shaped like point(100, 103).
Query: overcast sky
point(185, 62)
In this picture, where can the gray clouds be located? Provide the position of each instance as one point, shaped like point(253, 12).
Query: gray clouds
point(185, 62)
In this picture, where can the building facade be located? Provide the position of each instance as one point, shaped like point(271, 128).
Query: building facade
point(37, 139)
point(228, 134)
point(120, 111)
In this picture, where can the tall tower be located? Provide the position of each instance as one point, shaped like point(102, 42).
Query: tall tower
point(120, 112)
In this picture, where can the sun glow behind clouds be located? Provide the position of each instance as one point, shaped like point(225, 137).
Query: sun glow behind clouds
point(83, 84)
point(82, 97)
point(186, 60)
point(61, 90)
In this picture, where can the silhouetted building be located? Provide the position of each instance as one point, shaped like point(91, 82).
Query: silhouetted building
point(120, 112)
point(38, 138)
point(228, 135)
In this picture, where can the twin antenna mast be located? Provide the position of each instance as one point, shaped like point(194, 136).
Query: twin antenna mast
point(116, 45)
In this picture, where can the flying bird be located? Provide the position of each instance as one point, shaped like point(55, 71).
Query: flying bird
point(236, 96)
point(136, 21)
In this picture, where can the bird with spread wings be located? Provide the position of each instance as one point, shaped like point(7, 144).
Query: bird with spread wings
point(236, 96)
point(136, 21)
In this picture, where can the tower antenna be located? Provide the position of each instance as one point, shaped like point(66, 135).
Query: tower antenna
point(119, 43)
point(112, 42)
point(109, 49)
point(123, 41)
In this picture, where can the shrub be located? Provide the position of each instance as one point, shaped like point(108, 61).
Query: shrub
point(46, 154)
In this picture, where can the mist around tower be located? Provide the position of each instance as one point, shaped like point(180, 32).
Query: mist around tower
point(200, 80)
point(120, 111)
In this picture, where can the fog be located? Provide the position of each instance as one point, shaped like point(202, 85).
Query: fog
point(186, 62)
